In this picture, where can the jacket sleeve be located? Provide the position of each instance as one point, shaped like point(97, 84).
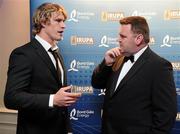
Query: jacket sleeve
point(100, 75)
point(164, 103)
point(17, 94)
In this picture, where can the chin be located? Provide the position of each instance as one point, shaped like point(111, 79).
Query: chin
point(59, 39)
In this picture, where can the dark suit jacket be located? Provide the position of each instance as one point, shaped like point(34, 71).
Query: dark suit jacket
point(31, 79)
point(145, 100)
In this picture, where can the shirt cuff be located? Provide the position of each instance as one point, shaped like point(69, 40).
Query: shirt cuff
point(51, 98)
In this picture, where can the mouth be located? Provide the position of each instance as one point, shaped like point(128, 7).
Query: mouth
point(60, 32)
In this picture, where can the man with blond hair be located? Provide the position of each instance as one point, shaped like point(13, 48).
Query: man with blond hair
point(36, 84)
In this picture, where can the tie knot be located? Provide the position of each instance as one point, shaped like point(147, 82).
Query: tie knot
point(54, 51)
point(131, 58)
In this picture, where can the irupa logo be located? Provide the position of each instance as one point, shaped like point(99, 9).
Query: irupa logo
point(77, 40)
point(172, 14)
point(176, 65)
point(178, 117)
point(111, 16)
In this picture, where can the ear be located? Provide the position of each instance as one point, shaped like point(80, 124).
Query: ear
point(43, 24)
point(139, 38)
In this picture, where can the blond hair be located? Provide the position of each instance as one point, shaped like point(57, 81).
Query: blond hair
point(43, 14)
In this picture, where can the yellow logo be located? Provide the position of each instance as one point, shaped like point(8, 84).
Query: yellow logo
point(176, 65)
point(172, 14)
point(178, 117)
point(75, 40)
point(112, 16)
point(152, 41)
point(82, 89)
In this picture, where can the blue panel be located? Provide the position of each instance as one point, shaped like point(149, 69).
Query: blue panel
point(92, 29)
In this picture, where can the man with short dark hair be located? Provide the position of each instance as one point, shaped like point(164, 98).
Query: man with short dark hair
point(140, 90)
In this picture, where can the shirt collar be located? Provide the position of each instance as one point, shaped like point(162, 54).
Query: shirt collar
point(138, 54)
point(45, 44)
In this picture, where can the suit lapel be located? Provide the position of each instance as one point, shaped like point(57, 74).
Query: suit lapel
point(64, 69)
point(45, 57)
point(134, 69)
point(115, 78)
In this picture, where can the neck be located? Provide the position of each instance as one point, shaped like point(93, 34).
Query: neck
point(47, 38)
point(140, 47)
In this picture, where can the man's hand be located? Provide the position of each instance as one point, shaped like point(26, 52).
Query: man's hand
point(65, 98)
point(111, 55)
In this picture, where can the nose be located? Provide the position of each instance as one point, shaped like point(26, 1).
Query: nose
point(119, 39)
point(63, 25)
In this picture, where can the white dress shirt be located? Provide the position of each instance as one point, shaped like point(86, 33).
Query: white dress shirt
point(48, 46)
point(127, 66)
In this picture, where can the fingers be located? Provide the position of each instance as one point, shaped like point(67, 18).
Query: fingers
point(111, 55)
point(74, 95)
point(67, 88)
point(69, 94)
point(70, 99)
point(115, 52)
point(69, 103)
point(65, 98)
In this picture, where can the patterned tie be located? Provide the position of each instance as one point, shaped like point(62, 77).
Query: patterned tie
point(57, 58)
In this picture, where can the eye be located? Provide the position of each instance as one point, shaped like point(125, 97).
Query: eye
point(59, 20)
point(122, 36)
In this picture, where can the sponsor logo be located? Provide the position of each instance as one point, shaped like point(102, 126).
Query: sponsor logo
point(147, 15)
point(168, 41)
point(178, 91)
point(82, 89)
point(107, 41)
point(75, 40)
point(152, 41)
point(178, 117)
point(111, 16)
point(176, 65)
point(102, 92)
point(172, 14)
point(76, 65)
point(76, 16)
point(73, 114)
point(73, 66)
point(76, 114)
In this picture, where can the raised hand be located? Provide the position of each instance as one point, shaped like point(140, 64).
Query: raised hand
point(111, 55)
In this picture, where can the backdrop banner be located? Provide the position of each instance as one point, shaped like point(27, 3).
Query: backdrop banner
point(92, 29)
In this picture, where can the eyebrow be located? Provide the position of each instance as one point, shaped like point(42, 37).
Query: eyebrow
point(121, 35)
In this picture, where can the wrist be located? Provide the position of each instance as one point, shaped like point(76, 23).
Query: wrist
point(51, 100)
